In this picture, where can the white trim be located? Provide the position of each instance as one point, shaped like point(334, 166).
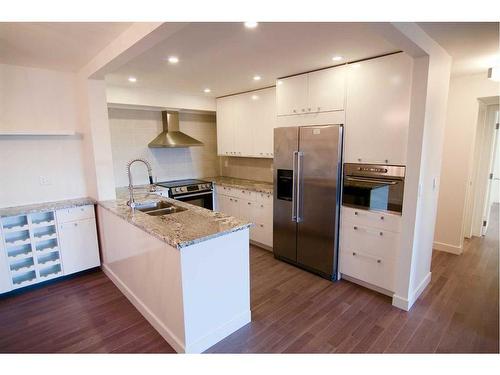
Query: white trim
point(406, 304)
point(173, 340)
point(220, 333)
point(441, 246)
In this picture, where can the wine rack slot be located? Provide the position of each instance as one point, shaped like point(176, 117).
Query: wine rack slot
point(41, 219)
point(19, 252)
point(18, 265)
point(50, 271)
point(15, 223)
point(44, 233)
point(17, 238)
point(49, 258)
point(23, 279)
point(46, 246)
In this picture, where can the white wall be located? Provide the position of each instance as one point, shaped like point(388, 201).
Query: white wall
point(458, 151)
point(132, 130)
point(43, 101)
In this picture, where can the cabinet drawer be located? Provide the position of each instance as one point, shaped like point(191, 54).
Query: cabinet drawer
point(373, 219)
point(243, 194)
point(262, 233)
point(373, 270)
point(373, 241)
point(75, 213)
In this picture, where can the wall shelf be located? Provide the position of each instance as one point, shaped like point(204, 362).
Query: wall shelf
point(40, 133)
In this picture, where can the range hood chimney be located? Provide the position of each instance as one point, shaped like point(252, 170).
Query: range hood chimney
point(171, 136)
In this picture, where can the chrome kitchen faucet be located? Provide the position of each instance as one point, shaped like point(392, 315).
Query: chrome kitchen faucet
point(152, 187)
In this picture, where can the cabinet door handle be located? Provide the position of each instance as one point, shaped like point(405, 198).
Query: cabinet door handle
point(381, 218)
point(355, 227)
point(359, 159)
point(75, 224)
point(381, 233)
point(249, 203)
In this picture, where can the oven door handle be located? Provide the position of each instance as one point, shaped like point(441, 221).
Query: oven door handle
point(193, 195)
point(385, 182)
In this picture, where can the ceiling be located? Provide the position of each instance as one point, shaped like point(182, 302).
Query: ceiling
point(225, 56)
point(65, 46)
point(474, 46)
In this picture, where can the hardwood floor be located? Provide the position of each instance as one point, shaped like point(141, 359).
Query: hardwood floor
point(292, 312)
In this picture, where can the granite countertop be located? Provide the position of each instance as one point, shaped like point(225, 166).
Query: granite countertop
point(239, 183)
point(46, 206)
point(180, 229)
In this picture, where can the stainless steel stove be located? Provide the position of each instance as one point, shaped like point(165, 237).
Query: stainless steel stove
point(197, 192)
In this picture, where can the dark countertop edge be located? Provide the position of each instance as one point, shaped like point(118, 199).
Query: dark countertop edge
point(179, 245)
point(46, 206)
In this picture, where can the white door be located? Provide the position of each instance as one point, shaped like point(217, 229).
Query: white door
point(78, 242)
point(291, 95)
point(327, 90)
point(244, 123)
point(265, 121)
point(378, 110)
point(492, 189)
point(225, 126)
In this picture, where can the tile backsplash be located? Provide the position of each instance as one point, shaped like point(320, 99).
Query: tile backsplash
point(132, 130)
point(247, 168)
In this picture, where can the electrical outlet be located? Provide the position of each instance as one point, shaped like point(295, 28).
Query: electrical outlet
point(45, 180)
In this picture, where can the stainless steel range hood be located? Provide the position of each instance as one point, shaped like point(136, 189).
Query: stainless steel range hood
point(171, 136)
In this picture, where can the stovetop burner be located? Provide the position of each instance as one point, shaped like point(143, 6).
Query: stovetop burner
point(178, 183)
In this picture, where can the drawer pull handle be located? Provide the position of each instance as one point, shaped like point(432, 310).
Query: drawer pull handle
point(249, 203)
point(355, 228)
point(379, 260)
point(353, 253)
point(381, 218)
point(381, 233)
point(356, 213)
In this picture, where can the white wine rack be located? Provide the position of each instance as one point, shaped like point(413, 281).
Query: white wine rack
point(32, 248)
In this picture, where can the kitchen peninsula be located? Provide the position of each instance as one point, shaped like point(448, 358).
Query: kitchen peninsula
point(187, 272)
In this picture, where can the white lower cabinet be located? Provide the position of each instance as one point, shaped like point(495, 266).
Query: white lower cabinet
point(78, 241)
point(251, 206)
point(45, 245)
point(369, 246)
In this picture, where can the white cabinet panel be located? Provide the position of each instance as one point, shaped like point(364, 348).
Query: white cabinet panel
point(225, 126)
point(373, 219)
point(245, 124)
point(78, 243)
point(292, 95)
point(75, 213)
point(326, 90)
point(377, 110)
point(5, 285)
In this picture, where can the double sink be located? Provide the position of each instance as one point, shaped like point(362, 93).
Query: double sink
point(158, 208)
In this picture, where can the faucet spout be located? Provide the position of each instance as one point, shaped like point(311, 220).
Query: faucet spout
point(131, 201)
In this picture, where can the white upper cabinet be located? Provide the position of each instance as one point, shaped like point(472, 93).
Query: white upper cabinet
point(291, 95)
point(320, 91)
point(245, 124)
point(378, 110)
point(327, 90)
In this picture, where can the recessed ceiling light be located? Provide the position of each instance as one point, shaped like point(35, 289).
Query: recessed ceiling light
point(207, 90)
point(257, 78)
point(280, 82)
point(255, 97)
point(132, 79)
point(251, 25)
point(173, 59)
point(337, 58)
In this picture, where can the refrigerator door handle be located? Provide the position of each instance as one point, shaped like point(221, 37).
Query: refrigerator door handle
point(294, 185)
point(298, 203)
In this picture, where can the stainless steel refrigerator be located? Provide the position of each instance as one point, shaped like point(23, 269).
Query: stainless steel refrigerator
point(307, 185)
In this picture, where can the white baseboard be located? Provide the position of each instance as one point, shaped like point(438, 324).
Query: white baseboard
point(169, 337)
point(447, 248)
point(367, 285)
point(220, 333)
point(406, 304)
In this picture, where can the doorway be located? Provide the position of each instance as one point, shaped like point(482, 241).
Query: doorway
point(483, 189)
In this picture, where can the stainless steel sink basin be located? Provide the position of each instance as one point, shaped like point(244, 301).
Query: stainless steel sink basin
point(158, 208)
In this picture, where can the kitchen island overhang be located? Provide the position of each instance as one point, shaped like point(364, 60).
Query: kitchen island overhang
point(193, 291)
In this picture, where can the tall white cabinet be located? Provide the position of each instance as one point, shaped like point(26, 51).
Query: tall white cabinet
point(40, 246)
point(378, 110)
point(245, 124)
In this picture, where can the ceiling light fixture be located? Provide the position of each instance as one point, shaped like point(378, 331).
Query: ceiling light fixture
point(494, 73)
point(280, 82)
point(251, 25)
point(132, 79)
point(207, 90)
point(255, 97)
point(337, 58)
point(173, 59)
point(257, 78)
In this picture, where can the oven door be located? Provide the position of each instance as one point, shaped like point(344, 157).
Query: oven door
point(201, 199)
point(370, 193)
